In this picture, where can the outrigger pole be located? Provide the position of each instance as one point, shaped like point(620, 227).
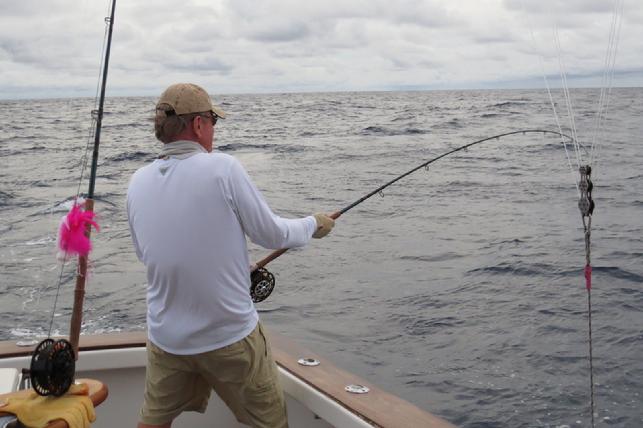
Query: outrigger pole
point(81, 277)
point(263, 282)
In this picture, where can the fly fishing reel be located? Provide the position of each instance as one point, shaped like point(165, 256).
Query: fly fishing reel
point(52, 367)
point(262, 284)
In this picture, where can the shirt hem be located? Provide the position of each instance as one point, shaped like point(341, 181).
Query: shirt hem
point(211, 346)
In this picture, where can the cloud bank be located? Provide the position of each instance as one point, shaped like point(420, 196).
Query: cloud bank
point(52, 49)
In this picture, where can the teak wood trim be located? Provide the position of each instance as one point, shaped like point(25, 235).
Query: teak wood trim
point(377, 406)
point(92, 342)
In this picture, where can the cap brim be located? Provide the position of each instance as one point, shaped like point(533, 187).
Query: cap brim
point(218, 111)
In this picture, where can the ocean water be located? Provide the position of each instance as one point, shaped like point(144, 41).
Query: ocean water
point(461, 289)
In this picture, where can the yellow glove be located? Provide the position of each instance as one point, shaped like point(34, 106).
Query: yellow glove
point(35, 411)
point(324, 225)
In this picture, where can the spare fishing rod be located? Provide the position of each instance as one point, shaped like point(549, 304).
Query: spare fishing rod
point(53, 363)
point(79, 292)
point(263, 282)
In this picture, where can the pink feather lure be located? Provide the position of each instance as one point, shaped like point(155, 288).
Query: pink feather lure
point(71, 235)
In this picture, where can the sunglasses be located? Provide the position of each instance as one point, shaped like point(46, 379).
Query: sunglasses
point(213, 117)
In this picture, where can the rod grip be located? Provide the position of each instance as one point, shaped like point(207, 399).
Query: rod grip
point(270, 257)
point(79, 292)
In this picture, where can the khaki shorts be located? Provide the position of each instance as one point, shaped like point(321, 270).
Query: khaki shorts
point(243, 374)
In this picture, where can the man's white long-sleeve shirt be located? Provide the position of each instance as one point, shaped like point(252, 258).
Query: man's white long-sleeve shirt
point(188, 220)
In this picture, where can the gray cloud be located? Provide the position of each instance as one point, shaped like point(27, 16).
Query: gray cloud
point(49, 47)
point(275, 31)
point(201, 65)
point(559, 8)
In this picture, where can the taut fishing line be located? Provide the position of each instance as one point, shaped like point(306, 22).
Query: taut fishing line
point(608, 77)
point(549, 93)
point(263, 282)
point(585, 167)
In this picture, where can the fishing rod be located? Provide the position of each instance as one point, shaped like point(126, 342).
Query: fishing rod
point(53, 364)
point(79, 292)
point(263, 282)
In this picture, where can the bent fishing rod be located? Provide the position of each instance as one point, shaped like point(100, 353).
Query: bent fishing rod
point(263, 282)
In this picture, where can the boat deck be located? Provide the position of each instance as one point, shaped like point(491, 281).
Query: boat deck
point(375, 408)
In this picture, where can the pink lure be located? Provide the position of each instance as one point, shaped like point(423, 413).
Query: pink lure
point(71, 235)
point(588, 277)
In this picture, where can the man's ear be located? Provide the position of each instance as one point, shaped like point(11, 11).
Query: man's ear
point(197, 126)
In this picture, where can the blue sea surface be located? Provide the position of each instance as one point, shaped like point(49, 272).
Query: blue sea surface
point(461, 289)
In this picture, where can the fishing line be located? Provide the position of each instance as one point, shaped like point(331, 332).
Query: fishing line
point(541, 61)
point(608, 77)
point(94, 112)
point(604, 79)
point(263, 282)
point(586, 203)
point(427, 163)
point(567, 95)
point(584, 184)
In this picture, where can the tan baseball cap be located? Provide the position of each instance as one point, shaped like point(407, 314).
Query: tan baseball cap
point(187, 98)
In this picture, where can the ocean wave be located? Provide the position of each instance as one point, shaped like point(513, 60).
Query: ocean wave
point(231, 147)
point(626, 254)
point(41, 183)
point(5, 196)
point(422, 326)
point(507, 104)
point(522, 269)
point(306, 134)
point(619, 273)
point(365, 107)
point(60, 207)
point(276, 148)
point(437, 258)
point(450, 124)
point(27, 333)
point(130, 156)
point(628, 340)
point(380, 130)
point(66, 204)
point(46, 240)
point(548, 270)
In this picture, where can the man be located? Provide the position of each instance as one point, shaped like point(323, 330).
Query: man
point(189, 213)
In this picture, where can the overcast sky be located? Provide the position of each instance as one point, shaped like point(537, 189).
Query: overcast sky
point(52, 48)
